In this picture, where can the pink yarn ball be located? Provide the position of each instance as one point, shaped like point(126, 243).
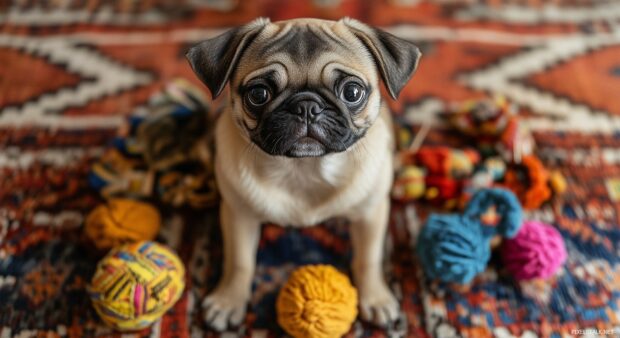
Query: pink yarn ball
point(537, 251)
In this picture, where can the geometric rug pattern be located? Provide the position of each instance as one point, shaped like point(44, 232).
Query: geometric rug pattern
point(71, 71)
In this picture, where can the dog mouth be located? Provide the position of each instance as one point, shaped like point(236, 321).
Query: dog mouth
point(313, 130)
point(306, 147)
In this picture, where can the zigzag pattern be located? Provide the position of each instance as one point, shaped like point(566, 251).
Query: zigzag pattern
point(548, 57)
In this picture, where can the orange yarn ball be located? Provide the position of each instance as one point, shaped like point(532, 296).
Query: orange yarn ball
point(317, 301)
point(121, 221)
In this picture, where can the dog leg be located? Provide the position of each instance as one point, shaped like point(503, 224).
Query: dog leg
point(377, 304)
point(226, 305)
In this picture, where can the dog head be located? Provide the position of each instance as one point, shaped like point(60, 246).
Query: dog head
point(304, 87)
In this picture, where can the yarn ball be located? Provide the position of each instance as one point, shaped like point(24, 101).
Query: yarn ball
point(121, 221)
point(317, 301)
point(537, 251)
point(452, 248)
point(498, 210)
point(135, 284)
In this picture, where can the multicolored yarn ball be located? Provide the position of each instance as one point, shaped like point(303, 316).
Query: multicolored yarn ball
point(135, 284)
point(317, 301)
point(452, 248)
point(537, 251)
point(498, 211)
point(120, 221)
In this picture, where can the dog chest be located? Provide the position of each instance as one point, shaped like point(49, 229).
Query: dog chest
point(303, 192)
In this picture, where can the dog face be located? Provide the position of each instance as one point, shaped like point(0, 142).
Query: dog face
point(304, 87)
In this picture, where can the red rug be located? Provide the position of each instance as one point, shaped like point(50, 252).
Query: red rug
point(70, 71)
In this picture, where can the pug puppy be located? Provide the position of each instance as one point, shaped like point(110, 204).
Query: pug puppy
point(304, 137)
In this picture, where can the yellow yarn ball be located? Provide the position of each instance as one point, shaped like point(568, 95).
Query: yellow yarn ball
point(121, 221)
point(135, 284)
point(317, 301)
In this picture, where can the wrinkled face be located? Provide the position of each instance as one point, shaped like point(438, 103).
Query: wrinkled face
point(305, 89)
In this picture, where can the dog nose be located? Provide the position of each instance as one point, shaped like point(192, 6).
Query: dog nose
point(306, 106)
point(308, 109)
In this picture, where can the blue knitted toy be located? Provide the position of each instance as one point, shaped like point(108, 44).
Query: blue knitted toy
point(452, 248)
point(498, 210)
point(455, 248)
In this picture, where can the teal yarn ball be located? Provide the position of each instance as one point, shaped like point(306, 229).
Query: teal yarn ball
point(452, 248)
point(507, 208)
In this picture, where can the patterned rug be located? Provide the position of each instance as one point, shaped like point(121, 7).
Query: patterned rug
point(71, 70)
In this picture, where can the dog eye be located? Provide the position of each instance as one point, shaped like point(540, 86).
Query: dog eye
point(258, 95)
point(352, 93)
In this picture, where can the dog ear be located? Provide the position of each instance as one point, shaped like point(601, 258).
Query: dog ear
point(396, 58)
point(214, 60)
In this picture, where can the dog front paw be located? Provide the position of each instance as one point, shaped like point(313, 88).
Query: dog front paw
point(225, 308)
point(378, 305)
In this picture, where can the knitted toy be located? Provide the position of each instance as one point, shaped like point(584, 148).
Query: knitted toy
point(443, 191)
point(497, 210)
point(120, 221)
point(435, 173)
point(452, 248)
point(537, 251)
point(495, 126)
point(496, 167)
point(529, 180)
point(515, 142)
point(455, 248)
point(447, 162)
point(481, 179)
point(135, 284)
point(162, 151)
point(409, 184)
point(482, 118)
point(187, 184)
point(317, 301)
